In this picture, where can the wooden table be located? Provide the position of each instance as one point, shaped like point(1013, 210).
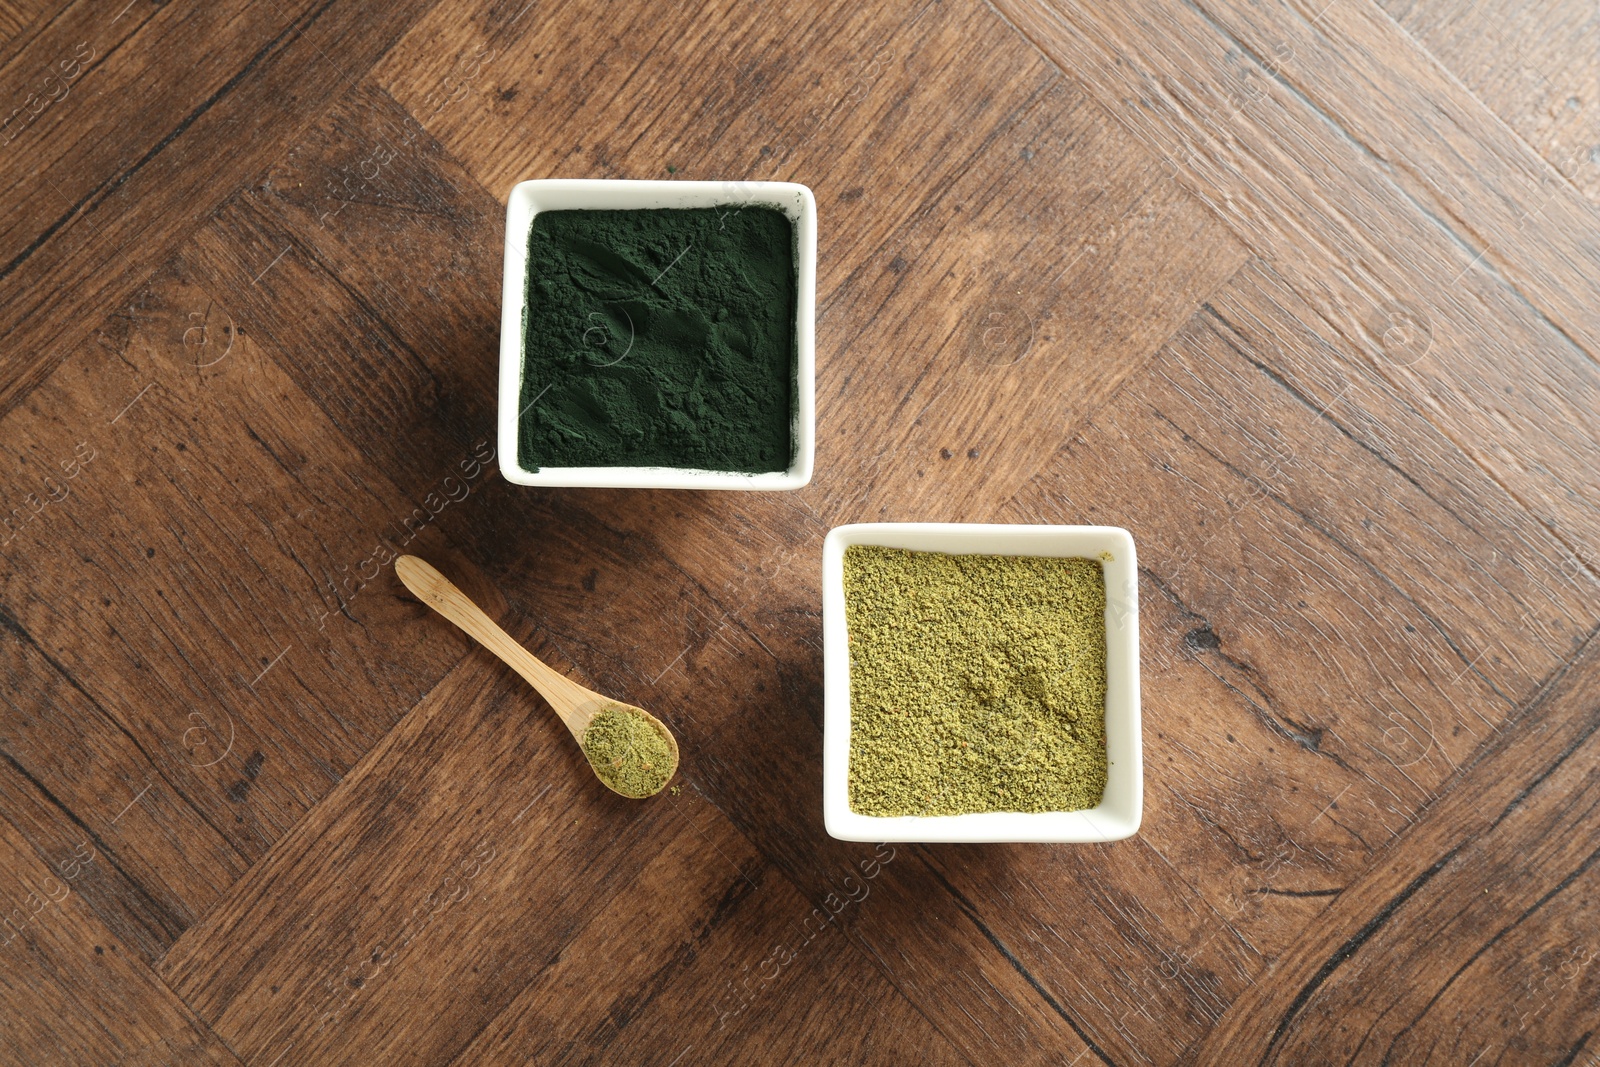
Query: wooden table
point(1305, 294)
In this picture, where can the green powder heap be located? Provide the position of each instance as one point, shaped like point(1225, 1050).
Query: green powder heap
point(977, 683)
point(628, 752)
point(660, 338)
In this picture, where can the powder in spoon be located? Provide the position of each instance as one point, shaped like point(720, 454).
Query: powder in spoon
point(660, 337)
point(628, 752)
point(977, 683)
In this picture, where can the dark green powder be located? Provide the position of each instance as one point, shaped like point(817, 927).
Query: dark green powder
point(977, 683)
point(660, 338)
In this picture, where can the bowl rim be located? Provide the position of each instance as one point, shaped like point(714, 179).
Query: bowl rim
point(527, 198)
point(1120, 811)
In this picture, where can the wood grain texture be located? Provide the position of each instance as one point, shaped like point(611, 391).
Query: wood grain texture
point(1538, 71)
point(174, 404)
point(1470, 970)
point(1301, 294)
point(159, 169)
point(14, 18)
point(72, 992)
point(1388, 256)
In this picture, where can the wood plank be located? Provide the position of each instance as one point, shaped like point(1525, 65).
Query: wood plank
point(826, 89)
point(1292, 82)
point(14, 19)
point(1266, 869)
point(1113, 938)
point(1419, 490)
point(940, 953)
point(1012, 332)
point(73, 993)
point(70, 778)
point(1476, 920)
point(742, 969)
point(1524, 571)
point(651, 936)
point(34, 18)
point(50, 75)
point(237, 659)
point(123, 214)
point(1461, 242)
point(400, 351)
point(1535, 69)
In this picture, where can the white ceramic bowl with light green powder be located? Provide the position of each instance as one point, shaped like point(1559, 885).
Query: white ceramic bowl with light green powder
point(1121, 807)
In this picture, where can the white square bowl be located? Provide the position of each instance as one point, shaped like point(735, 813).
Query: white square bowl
point(1122, 805)
point(529, 198)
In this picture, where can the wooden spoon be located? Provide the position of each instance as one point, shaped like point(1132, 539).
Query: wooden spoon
point(576, 705)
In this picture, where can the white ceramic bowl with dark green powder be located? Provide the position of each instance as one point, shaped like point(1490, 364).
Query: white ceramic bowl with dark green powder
point(658, 335)
point(981, 683)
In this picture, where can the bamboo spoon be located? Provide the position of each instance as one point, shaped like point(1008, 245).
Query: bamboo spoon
point(576, 705)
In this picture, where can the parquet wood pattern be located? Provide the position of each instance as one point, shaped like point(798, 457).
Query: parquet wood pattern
point(1302, 293)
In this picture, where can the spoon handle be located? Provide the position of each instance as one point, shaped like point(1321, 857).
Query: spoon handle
point(575, 704)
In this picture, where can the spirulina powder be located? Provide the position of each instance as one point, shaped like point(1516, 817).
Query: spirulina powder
point(660, 338)
point(977, 683)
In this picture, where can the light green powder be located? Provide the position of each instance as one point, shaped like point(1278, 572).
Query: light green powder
point(628, 752)
point(977, 683)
